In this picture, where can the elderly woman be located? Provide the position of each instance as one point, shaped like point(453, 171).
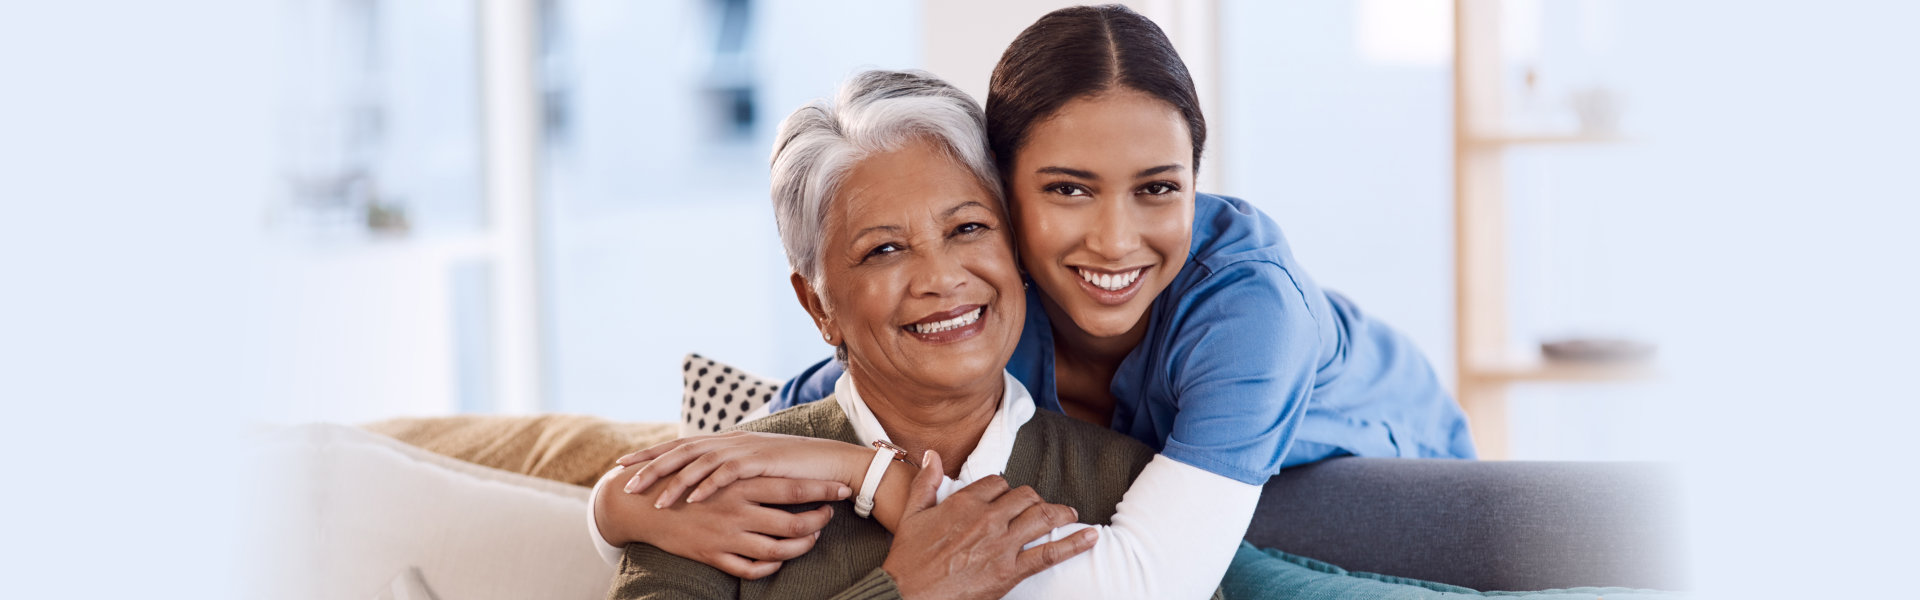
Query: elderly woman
point(890, 211)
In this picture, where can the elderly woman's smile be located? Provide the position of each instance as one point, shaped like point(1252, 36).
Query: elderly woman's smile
point(947, 326)
point(918, 277)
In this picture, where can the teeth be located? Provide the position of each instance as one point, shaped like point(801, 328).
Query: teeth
point(1111, 282)
point(953, 323)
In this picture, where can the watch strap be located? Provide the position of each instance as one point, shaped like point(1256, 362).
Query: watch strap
point(863, 503)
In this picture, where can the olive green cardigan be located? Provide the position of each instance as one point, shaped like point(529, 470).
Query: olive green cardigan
point(1067, 461)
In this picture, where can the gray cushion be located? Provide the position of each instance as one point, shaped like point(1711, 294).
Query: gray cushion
point(1485, 525)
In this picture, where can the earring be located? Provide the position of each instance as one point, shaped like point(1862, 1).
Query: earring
point(828, 337)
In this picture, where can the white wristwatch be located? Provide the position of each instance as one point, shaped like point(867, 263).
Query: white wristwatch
point(883, 451)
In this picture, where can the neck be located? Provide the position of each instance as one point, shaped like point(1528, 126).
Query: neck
point(1074, 345)
point(946, 421)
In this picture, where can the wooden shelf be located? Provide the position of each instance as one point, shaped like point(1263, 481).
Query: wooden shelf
point(1541, 139)
point(1482, 134)
point(1559, 371)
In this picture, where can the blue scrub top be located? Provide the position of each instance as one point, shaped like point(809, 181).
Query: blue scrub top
point(1247, 364)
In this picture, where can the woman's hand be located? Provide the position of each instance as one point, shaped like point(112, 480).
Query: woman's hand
point(715, 461)
point(968, 546)
point(733, 531)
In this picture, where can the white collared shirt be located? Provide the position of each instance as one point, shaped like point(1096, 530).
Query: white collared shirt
point(990, 456)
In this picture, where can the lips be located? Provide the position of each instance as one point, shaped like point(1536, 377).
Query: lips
point(949, 326)
point(1111, 281)
point(1110, 288)
point(942, 322)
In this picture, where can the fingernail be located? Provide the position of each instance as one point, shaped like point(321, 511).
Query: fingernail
point(630, 486)
point(661, 503)
point(926, 458)
point(816, 536)
point(1076, 513)
point(845, 491)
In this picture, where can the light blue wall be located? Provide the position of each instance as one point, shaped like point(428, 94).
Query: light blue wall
point(662, 241)
point(1352, 159)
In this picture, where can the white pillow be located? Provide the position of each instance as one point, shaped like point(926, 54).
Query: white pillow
point(716, 395)
point(341, 511)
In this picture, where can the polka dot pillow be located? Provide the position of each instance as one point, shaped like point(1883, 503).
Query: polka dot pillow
point(718, 395)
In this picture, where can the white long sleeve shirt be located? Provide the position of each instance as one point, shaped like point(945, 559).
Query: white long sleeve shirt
point(1173, 534)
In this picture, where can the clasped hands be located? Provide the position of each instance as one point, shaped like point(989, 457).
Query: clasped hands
point(709, 498)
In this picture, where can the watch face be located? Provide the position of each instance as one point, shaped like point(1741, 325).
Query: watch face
point(899, 454)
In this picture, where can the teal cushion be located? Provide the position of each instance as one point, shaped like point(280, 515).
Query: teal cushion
point(1262, 573)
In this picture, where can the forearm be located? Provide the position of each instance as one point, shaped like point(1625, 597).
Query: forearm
point(1173, 535)
point(606, 511)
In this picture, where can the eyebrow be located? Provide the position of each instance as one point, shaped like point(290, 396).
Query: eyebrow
point(1082, 174)
point(1076, 173)
point(863, 233)
point(962, 206)
point(1160, 169)
point(895, 229)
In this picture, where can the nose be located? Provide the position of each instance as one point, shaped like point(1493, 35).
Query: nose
point(1115, 232)
point(938, 272)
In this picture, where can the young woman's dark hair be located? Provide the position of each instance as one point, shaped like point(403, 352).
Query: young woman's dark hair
point(1082, 51)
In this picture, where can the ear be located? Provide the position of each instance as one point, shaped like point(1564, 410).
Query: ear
point(815, 308)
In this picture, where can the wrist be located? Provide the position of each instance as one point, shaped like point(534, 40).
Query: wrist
point(850, 464)
point(621, 516)
point(907, 589)
point(605, 515)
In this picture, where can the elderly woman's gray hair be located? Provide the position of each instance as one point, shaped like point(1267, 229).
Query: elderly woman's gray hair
point(875, 112)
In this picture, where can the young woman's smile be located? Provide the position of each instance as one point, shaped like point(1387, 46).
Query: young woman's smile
point(1103, 196)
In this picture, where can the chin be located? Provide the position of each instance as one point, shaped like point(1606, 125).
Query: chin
point(1111, 322)
point(958, 374)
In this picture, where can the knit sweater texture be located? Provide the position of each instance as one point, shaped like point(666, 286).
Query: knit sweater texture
point(1067, 461)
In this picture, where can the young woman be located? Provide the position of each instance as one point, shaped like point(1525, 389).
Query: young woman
point(1178, 318)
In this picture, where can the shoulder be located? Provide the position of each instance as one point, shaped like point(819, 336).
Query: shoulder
point(810, 385)
point(820, 419)
point(1057, 428)
point(647, 572)
point(1077, 463)
point(1227, 229)
point(1244, 305)
point(1240, 256)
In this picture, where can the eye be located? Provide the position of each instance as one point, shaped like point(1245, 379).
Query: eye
point(1067, 189)
point(970, 228)
point(1159, 188)
point(882, 250)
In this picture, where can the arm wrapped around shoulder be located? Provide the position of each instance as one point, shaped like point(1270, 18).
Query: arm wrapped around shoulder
point(1167, 529)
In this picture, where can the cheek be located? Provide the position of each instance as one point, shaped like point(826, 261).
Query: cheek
point(992, 261)
point(1172, 235)
point(866, 301)
point(1044, 230)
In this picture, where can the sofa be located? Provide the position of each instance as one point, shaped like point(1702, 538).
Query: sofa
point(346, 513)
point(1485, 525)
point(494, 507)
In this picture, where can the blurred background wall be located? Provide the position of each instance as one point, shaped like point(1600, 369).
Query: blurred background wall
point(220, 214)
